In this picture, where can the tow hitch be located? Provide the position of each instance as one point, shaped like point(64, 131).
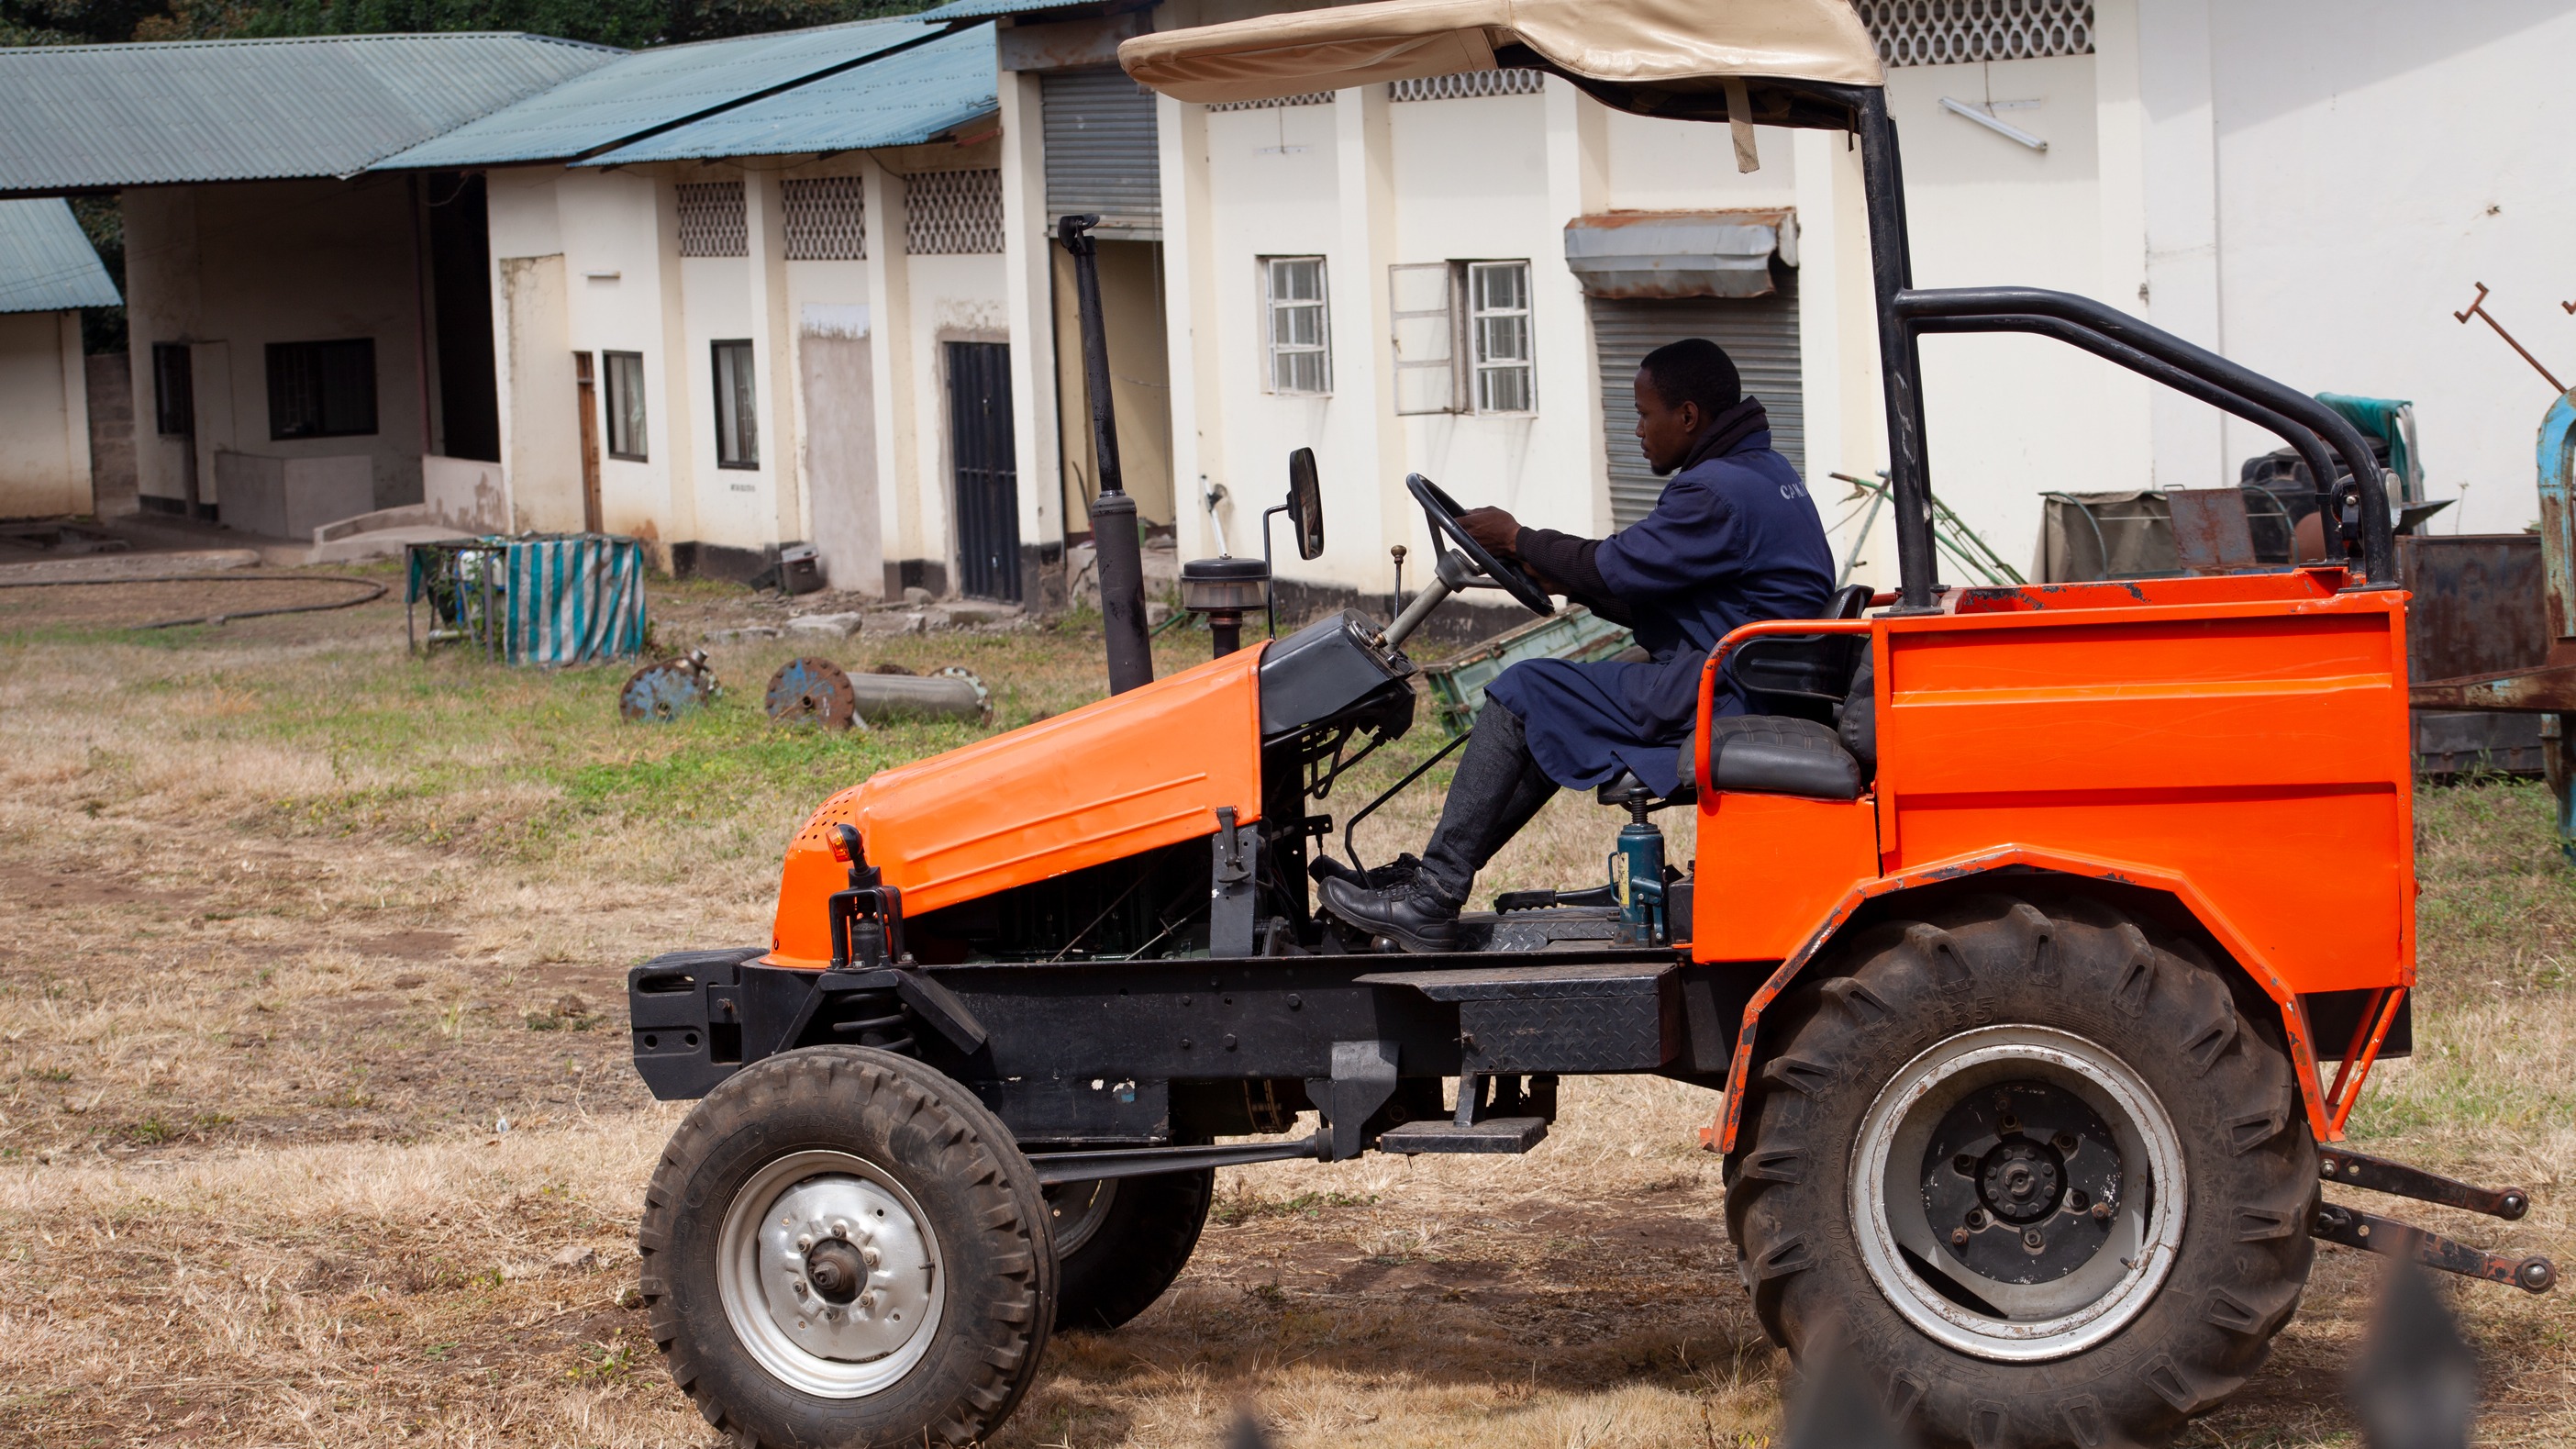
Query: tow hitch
point(2373, 1233)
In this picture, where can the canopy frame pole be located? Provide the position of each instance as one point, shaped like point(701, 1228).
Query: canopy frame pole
point(1891, 269)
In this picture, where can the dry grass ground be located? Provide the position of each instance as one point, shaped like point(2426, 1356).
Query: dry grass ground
point(290, 925)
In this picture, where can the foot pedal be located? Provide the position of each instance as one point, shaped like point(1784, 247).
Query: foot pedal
point(1494, 1134)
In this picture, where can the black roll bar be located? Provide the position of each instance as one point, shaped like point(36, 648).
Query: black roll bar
point(2310, 448)
point(2227, 384)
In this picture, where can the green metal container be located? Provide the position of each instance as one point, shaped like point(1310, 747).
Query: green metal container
point(1573, 632)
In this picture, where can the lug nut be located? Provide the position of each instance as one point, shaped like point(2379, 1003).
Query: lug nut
point(1976, 1217)
point(840, 1229)
point(867, 1301)
point(1965, 1165)
point(871, 1256)
point(2101, 1212)
point(2063, 1141)
point(2031, 1239)
point(804, 1242)
point(1958, 1237)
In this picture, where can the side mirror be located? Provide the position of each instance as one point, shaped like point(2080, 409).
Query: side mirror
point(1306, 503)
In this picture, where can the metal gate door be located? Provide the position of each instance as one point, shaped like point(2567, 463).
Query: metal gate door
point(988, 481)
point(1760, 333)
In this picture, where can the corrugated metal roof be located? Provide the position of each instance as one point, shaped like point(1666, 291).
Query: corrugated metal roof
point(902, 100)
point(241, 110)
point(651, 89)
point(994, 9)
point(46, 264)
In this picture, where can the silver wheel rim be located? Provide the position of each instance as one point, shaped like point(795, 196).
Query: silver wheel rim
point(853, 1212)
point(1075, 1211)
point(2020, 1323)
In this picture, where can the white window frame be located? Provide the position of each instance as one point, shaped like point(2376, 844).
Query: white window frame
point(1494, 369)
point(1422, 307)
point(1278, 356)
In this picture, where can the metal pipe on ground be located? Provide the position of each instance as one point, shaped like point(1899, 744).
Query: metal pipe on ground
point(1113, 513)
point(917, 696)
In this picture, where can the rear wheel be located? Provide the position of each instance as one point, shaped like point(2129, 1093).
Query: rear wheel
point(843, 1246)
point(2035, 1166)
point(1121, 1241)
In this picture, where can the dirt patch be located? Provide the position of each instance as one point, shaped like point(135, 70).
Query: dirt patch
point(410, 945)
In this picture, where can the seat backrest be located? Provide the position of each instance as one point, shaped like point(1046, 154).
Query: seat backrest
point(1804, 676)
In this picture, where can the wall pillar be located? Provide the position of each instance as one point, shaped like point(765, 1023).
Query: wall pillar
point(1368, 438)
point(1028, 288)
point(2179, 187)
point(900, 502)
point(1577, 140)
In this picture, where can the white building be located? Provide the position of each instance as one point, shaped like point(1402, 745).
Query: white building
point(48, 272)
point(1397, 276)
point(803, 287)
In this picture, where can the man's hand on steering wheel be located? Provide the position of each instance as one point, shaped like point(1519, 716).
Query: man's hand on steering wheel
point(1498, 531)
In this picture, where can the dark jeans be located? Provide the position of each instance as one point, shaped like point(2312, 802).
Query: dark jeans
point(1497, 789)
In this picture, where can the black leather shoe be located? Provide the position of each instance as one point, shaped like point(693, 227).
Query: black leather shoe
point(1406, 915)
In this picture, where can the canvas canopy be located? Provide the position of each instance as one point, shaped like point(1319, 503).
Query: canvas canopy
point(1617, 42)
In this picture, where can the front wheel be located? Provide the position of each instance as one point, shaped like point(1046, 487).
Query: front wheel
point(843, 1246)
point(2035, 1167)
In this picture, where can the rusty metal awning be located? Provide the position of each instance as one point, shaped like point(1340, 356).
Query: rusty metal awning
point(1631, 254)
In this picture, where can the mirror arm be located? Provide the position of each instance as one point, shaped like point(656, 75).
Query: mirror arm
point(1270, 571)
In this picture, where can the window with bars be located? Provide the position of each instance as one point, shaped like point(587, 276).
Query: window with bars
point(949, 213)
point(1498, 335)
point(625, 405)
point(1467, 83)
point(737, 406)
point(1954, 32)
point(711, 220)
point(823, 219)
point(1300, 332)
point(322, 389)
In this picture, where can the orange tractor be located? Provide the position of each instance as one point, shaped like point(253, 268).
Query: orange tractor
point(2036, 938)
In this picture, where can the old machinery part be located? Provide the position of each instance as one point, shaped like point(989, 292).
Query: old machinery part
point(660, 693)
point(2478, 308)
point(812, 692)
point(2391, 1238)
point(952, 693)
point(2335, 1164)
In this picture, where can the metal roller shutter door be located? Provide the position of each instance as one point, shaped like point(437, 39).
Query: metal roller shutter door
point(1101, 150)
point(1760, 333)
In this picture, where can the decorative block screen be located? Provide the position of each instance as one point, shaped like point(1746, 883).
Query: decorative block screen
point(711, 221)
point(1469, 83)
point(1952, 32)
point(823, 219)
point(1310, 98)
point(951, 212)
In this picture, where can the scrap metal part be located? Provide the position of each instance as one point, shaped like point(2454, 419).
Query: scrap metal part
point(659, 693)
point(813, 691)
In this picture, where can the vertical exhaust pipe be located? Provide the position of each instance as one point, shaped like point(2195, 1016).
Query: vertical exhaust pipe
point(1113, 513)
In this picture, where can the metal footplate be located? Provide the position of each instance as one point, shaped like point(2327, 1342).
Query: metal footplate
point(2391, 1238)
point(1494, 1134)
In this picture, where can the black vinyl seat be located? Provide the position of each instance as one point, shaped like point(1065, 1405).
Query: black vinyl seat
point(1816, 736)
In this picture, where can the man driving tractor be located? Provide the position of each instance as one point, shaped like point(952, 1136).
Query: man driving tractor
point(1732, 539)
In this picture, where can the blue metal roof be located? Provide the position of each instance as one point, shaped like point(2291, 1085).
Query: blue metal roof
point(645, 92)
point(901, 100)
point(46, 264)
point(74, 116)
point(994, 9)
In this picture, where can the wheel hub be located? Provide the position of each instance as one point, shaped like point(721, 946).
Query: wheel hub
point(2018, 1192)
point(829, 1274)
point(2011, 1179)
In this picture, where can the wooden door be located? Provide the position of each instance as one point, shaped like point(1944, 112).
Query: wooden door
point(587, 383)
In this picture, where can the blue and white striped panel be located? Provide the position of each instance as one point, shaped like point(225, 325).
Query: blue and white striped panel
point(575, 598)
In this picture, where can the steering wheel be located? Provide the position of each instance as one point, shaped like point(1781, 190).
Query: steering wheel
point(1442, 511)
